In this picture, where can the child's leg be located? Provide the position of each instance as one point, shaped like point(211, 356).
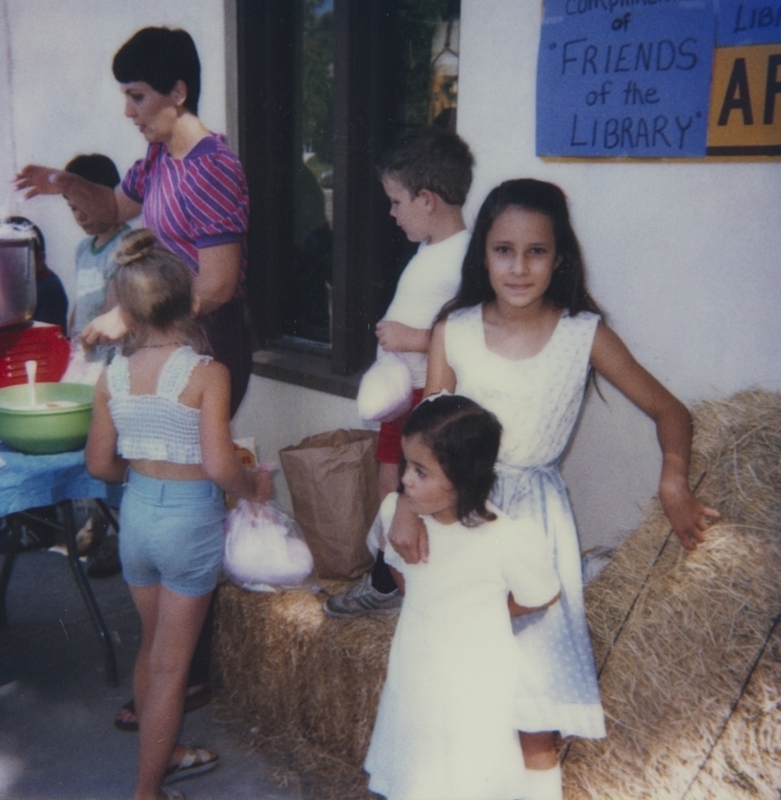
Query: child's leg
point(171, 623)
point(542, 765)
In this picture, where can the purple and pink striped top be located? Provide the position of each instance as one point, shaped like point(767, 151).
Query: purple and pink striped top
point(194, 202)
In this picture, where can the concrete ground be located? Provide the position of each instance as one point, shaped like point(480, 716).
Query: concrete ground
point(57, 740)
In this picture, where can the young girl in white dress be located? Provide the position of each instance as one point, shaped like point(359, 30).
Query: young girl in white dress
point(445, 725)
point(161, 424)
point(521, 339)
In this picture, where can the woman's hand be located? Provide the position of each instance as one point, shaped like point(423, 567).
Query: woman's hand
point(101, 202)
point(408, 534)
point(105, 329)
point(688, 517)
point(40, 180)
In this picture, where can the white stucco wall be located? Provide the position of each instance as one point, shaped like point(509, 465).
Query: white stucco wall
point(684, 258)
point(59, 97)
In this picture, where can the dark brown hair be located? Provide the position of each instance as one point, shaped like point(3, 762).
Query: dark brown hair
point(464, 439)
point(95, 168)
point(567, 288)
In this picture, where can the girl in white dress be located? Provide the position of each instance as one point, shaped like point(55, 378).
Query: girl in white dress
point(160, 424)
point(445, 726)
point(521, 339)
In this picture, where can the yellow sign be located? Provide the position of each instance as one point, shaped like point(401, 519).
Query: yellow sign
point(745, 103)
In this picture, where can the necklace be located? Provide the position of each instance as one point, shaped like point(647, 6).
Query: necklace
point(164, 344)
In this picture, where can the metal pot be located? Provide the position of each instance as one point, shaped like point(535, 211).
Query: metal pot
point(17, 273)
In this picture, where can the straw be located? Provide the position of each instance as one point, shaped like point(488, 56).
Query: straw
point(688, 646)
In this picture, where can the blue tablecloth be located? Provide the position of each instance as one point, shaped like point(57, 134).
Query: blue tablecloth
point(31, 481)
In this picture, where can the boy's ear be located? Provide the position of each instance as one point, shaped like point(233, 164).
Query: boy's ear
point(196, 307)
point(429, 198)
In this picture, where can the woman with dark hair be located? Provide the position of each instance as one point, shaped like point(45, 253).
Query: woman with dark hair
point(190, 189)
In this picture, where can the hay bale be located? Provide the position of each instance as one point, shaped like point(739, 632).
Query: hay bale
point(302, 684)
point(687, 646)
point(682, 640)
point(746, 761)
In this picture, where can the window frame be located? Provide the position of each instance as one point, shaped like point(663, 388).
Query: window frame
point(363, 84)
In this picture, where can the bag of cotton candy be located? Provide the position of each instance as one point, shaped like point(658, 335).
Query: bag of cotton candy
point(264, 548)
point(385, 391)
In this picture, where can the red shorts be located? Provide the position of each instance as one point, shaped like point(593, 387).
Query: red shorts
point(389, 443)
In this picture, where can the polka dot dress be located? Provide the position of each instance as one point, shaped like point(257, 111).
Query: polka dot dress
point(538, 400)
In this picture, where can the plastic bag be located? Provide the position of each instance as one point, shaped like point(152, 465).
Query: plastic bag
point(385, 392)
point(264, 548)
point(84, 367)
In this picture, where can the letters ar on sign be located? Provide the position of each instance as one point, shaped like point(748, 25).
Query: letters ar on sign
point(745, 101)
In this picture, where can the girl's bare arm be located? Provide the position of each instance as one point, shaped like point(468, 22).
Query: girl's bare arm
point(394, 336)
point(439, 374)
point(407, 532)
point(516, 609)
point(220, 461)
point(100, 455)
point(688, 517)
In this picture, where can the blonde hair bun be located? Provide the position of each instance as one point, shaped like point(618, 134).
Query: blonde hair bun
point(135, 245)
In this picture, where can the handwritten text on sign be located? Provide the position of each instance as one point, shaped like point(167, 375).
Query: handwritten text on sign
point(618, 78)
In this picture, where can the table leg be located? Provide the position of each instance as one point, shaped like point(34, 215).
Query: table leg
point(108, 514)
point(8, 564)
point(77, 568)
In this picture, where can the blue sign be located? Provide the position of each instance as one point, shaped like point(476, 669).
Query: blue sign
point(745, 23)
point(625, 78)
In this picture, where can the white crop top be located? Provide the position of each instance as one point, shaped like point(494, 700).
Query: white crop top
point(156, 426)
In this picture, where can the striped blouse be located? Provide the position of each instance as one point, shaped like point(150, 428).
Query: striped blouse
point(194, 202)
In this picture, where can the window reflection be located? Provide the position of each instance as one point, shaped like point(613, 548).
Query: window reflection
point(425, 69)
point(313, 221)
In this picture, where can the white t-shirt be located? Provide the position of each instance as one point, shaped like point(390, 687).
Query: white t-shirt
point(431, 278)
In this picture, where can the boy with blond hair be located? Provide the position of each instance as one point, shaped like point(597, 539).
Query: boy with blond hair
point(426, 177)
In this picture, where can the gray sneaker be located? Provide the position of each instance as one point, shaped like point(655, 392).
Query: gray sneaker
point(363, 600)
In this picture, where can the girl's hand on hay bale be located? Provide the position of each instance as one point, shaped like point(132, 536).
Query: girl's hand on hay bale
point(688, 517)
point(408, 534)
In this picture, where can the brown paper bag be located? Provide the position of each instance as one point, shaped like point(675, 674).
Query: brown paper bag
point(333, 482)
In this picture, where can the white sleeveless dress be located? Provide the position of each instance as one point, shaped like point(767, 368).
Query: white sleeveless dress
point(538, 400)
point(444, 728)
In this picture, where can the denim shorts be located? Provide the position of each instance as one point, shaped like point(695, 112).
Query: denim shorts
point(171, 532)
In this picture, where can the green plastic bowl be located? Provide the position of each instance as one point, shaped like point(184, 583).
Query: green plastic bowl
point(45, 430)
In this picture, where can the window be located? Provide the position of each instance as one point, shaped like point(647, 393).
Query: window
point(324, 87)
